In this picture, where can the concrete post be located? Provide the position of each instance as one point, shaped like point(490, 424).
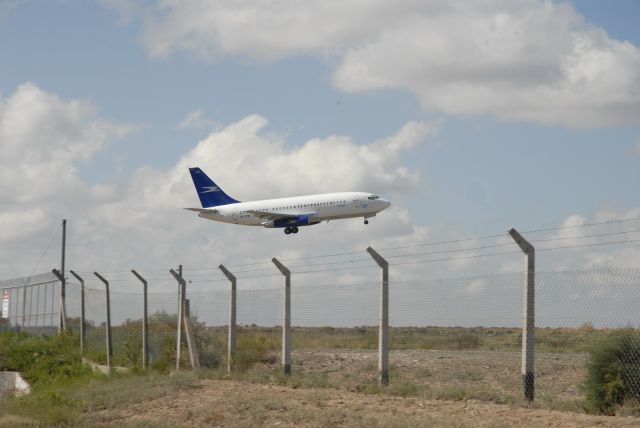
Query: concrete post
point(191, 343)
point(180, 316)
point(63, 284)
point(24, 305)
point(145, 328)
point(383, 329)
point(81, 310)
point(528, 315)
point(63, 313)
point(109, 342)
point(37, 304)
point(286, 322)
point(231, 345)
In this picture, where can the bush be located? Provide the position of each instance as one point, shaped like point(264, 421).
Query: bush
point(613, 372)
point(42, 359)
point(254, 347)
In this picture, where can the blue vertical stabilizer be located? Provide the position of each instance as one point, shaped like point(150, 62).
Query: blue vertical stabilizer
point(209, 193)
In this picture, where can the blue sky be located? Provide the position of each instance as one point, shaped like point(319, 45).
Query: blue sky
point(486, 163)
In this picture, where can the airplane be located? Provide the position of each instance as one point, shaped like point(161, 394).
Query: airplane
point(288, 213)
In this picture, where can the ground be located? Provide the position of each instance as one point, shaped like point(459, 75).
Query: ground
point(338, 387)
point(240, 404)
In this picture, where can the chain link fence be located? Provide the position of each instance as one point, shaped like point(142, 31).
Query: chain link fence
point(30, 304)
point(449, 338)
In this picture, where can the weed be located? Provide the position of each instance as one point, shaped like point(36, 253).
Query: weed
point(614, 372)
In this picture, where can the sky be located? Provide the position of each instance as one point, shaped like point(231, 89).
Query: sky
point(469, 117)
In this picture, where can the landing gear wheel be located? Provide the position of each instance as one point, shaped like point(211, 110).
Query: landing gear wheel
point(294, 230)
point(366, 222)
point(287, 230)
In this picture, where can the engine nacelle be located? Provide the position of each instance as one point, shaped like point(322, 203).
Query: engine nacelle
point(302, 220)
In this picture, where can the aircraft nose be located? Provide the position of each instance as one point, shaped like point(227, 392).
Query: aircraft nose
point(385, 203)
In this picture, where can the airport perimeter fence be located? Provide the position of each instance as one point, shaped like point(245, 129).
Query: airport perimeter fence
point(448, 338)
point(30, 303)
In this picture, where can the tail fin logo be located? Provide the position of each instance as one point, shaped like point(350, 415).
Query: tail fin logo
point(209, 189)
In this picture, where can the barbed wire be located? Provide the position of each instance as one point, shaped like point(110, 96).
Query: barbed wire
point(424, 244)
point(457, 250)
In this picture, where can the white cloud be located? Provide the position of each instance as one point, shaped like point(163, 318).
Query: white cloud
point(269, 167)
point(20, 223)
point(531, 60)
point(196, 120)
point(42, 140)
point(589, 249)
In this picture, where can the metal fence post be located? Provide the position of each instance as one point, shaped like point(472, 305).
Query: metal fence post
point(286, 322)
point(81, 310)
point(383, 329)
point(63, 312)
point(528, 316)
point(109, 342)
point(231, 345)
point(145, 329)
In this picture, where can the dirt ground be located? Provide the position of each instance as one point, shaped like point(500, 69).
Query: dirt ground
point(489, 382)
point(239, 404)
point(337, 387)
point(491, 375)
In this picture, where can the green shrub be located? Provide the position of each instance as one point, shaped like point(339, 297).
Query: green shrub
point(613, 372)
point(254, 347)
point(42, 359)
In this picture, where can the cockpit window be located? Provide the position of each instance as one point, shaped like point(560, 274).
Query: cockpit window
point(373, 197)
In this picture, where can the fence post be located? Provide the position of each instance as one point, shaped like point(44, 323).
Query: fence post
point(231, 345)
point(63, 286)
point(191, 343)
point(528, 316)
point(63, 312)
point(286, 322)
point(81, 310)
point(24, 307)
point(109, 343)
point(383, 329)
point(178, 277)
point(145, 329)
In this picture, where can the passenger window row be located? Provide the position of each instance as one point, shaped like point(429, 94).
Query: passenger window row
point(318, 204)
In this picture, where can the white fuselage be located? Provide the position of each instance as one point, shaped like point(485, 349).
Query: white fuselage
point(325, 206)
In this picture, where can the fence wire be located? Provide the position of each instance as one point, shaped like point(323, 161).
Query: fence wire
point(30, 304)
point(449, 338)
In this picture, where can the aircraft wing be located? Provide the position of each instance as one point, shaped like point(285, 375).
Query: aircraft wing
point(202, 210)
point(279, 216)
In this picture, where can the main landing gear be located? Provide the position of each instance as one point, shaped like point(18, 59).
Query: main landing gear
point(288, 230)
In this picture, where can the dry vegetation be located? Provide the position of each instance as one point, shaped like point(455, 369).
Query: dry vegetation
point(439, 377)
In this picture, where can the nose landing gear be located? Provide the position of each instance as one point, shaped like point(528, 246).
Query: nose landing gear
point(289, 230)
point(366, 221)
